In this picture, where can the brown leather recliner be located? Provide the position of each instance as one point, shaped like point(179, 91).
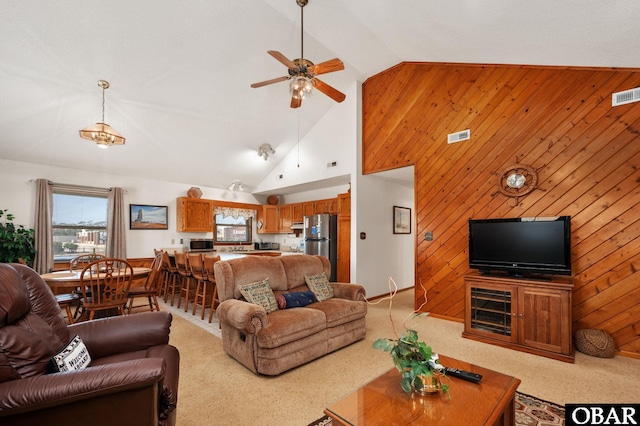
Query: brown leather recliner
point(132, 378)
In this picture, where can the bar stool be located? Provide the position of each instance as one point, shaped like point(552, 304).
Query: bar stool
point(200, 275)
point(172, 278)
point(182, 264)
point(209, 261)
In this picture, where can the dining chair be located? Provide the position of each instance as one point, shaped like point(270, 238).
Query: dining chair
point(151, 287)
point(79, 262)
point(172, 279)
point(105, 285)
point(209, 261)
point(198, 272)
point(182, 264)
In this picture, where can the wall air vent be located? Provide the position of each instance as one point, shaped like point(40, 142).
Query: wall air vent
point(626, 97)
point(459, 136)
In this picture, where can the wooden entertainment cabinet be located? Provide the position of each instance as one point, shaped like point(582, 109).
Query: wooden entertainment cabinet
point(528, 315)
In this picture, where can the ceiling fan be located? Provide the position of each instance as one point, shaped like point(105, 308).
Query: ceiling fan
point(303, 72)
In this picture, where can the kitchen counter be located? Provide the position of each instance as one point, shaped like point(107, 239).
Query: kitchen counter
point(228, 255)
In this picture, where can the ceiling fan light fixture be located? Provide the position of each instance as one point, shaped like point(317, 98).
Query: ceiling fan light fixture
point(101, 133)
point(301, 87)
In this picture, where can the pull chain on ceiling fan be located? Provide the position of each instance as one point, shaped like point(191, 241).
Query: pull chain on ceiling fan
point(303, 72)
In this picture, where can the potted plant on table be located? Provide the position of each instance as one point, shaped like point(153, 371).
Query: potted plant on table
point(16, 241)
point(417, 363)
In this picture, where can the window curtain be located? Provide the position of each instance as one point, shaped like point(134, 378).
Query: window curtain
point(116, 225)
point(234, 212)
point(43, 262)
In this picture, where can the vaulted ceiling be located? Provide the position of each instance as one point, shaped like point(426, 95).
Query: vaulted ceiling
point(180, 72)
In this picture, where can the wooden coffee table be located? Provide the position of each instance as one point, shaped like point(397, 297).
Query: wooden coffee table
point(382, 401)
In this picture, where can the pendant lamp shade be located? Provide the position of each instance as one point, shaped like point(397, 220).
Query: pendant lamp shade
point(101, 133)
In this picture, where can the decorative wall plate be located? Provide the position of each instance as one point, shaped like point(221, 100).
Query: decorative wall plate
point(518, 180)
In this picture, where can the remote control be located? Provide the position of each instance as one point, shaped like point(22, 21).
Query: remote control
point(464, 375)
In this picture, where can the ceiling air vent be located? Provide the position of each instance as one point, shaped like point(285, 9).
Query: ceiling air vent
point(626, 97)
point(459, 136)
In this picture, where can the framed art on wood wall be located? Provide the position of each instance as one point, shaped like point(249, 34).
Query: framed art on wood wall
point(147, 217)
point(401, 220)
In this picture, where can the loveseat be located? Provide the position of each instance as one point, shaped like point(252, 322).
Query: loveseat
point(274, 342)
point(132, 378)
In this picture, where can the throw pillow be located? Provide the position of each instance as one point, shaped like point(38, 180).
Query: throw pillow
point(260, 293)
point(320, 286)
point(296, 299)
point(74, 356)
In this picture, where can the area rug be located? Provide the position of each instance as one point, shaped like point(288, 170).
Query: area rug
point(530, 411)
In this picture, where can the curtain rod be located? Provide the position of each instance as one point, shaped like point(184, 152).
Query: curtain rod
point(79, 187)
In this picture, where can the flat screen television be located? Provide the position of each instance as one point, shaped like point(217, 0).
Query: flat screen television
point(521, 246)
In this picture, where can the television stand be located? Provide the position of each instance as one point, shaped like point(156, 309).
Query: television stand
point(528, 315)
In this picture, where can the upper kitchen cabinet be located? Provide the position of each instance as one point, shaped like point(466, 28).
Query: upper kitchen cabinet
point(329, 206)
point(297, 211)
point(344, 204)
point(285, 214)
point(268, 220)
point(194, 215)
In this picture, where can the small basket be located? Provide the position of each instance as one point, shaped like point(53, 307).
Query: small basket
point(595, 343)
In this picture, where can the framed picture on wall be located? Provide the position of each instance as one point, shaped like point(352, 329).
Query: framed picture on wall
point(401, 220)
point(148, 217)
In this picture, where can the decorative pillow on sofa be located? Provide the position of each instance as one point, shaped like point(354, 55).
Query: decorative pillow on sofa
point(74, 356)
point(260, 293)
point(320, 286)
point(296, 299)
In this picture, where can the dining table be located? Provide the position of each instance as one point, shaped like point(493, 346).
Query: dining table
point(60, 281)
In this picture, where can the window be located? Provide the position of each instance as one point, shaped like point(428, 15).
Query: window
point(79, 221)
point(232, 231)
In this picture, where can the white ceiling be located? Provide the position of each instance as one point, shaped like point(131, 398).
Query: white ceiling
point(180, 71)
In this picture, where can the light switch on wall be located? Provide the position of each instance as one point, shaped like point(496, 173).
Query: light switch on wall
point(428, 236)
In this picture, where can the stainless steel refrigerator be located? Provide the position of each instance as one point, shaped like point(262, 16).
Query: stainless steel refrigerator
point(321, 238)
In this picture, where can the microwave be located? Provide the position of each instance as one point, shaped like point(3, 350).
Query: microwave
point(197, 244)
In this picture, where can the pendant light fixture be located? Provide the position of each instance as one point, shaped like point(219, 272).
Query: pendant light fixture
point(101, 133)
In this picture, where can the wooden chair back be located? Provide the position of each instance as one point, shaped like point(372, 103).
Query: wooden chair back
point(154, 279)
point(182, 263)
point(197, 266)
point(105, 285)
point(209, 261)
point(167, 264)
point(79, 262)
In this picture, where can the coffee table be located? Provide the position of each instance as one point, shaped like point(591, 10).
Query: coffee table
point(383, 402)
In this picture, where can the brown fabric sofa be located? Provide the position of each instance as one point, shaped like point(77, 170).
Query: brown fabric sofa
point(272, 343)
point(132, 378)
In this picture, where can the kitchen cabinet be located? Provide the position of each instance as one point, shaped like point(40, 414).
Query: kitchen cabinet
point(344, 204)
point(269, 218)
point(524, 314)
point(194, 215)
point(285, 213)
point(343, 267)
point(297, 212)
point(308, 208)
point(329, 206)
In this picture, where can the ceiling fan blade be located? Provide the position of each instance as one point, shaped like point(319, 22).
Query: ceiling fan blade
point(331, 65)
point(334, 94)
point(296, 102)
point(283, 59)
point(267, 82)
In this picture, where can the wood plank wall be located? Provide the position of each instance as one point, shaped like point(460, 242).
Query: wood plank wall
point(558, 120)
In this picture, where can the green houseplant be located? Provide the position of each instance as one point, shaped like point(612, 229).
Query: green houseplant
point(16, 241)
point(411, 357)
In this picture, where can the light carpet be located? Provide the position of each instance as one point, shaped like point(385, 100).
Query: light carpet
point(217, 390)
